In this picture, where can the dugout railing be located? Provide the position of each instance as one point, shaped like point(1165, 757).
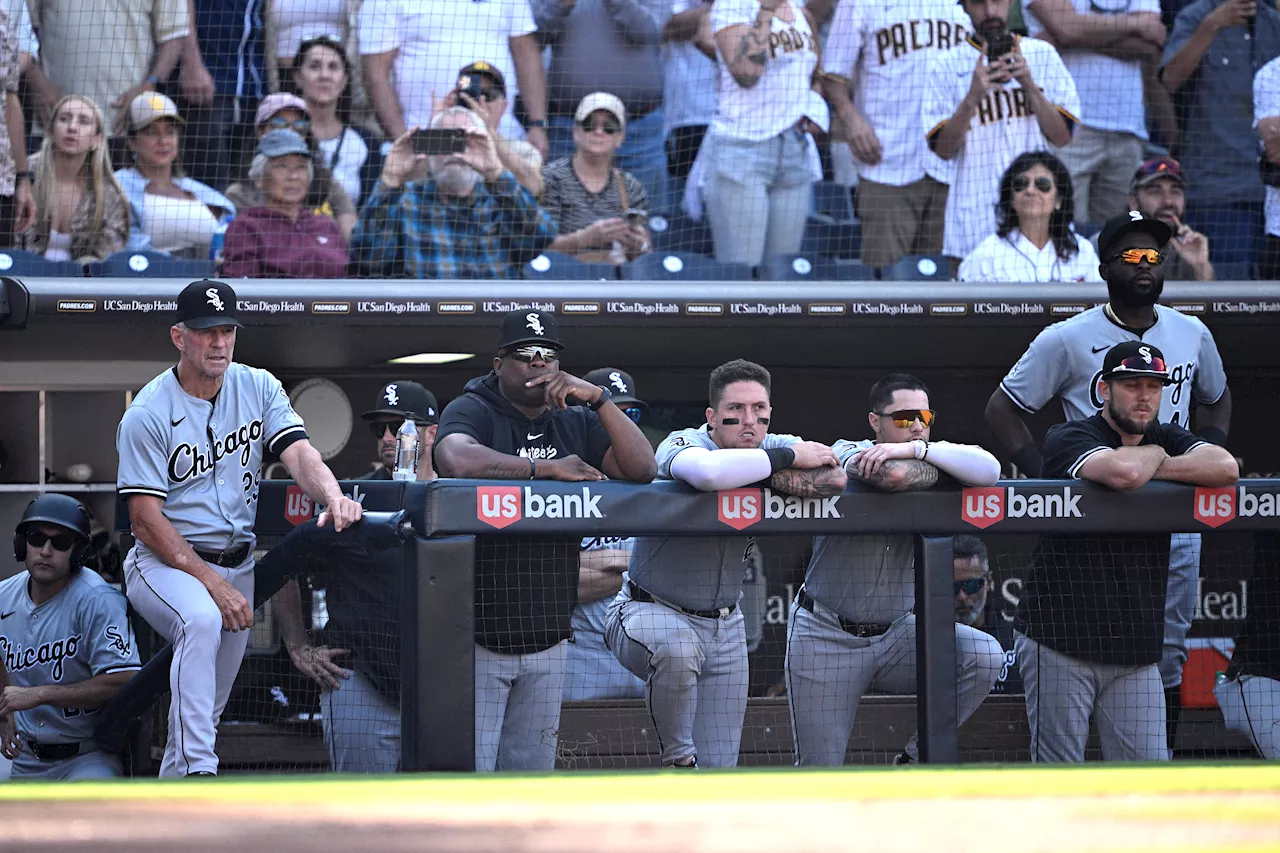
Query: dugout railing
point(438, 723)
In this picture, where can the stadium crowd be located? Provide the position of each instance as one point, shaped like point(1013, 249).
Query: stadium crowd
point(326, 138)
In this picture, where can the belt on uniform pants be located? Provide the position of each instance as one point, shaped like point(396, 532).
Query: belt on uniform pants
point(58, 751)
point(641, 594)
point(857, 629)
point(228, 558)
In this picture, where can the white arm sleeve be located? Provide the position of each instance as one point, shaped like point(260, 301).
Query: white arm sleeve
point(968, 463)
point(712, 470)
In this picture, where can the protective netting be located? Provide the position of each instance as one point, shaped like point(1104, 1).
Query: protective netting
point(256, 138)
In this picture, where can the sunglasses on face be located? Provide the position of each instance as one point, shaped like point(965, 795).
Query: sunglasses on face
point(608, 127)
point(1043, 184)
point(298, 125)
point(972, 586)
point(60, 541)
point(1153, 257)
point(904, 418)
point(530, 354)
point(1137, 362)
point(380, 427)
point(633, 412)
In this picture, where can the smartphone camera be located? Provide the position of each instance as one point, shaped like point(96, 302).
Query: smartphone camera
point(438, 141)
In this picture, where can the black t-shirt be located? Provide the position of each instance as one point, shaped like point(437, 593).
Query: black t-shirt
point(362, 594)
point(1099, 598)
point(526, 586)
point(1258, 644)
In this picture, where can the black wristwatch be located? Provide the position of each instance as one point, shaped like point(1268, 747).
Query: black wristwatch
point(29, 175)
point(605, 396)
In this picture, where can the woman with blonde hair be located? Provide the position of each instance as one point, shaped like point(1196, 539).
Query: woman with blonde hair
point(81, 212)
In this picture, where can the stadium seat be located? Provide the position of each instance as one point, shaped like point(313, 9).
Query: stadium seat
point(918, 268)
point(557, 265)
point(832, 228)
point(683, 266)
point(680, 234)
point(21, 262)
point(813, 268)
point(149, 265)
point(833, 201)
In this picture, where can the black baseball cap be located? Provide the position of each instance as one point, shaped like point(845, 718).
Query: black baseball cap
point(528, 326)
point(207, 303)
point(1119, 226)
point(1132, 359)
point(402, 397)
point(485, 68)
point(619, 383)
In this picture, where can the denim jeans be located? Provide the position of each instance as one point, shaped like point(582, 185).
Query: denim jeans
point(757, 195)
point(643, 154)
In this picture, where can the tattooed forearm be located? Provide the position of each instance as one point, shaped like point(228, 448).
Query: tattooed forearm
point(899, 475)
point(809, 482)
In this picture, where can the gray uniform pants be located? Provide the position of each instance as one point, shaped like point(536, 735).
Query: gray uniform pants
point(361, 728)
point(518, 709)
point(695, 673)
point(1251, 704)
point(1063, 693)
point(1183, 590)
point(828, 670)
point(90, 765)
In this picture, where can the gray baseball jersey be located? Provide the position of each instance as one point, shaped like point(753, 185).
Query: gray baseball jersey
point(1065, 360)
point(694, 572)
point(80, 633)
point(862, 578)
point(204, 458)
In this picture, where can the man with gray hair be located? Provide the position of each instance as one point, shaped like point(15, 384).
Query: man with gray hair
point(469, 219)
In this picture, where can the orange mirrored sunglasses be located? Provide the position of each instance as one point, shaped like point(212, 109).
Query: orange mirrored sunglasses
point(904, 418)
point(1136, 256)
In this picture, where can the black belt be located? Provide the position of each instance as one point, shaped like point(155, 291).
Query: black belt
point(640, 594)
point(58, 751)
point(857, 629)
point(228, 558)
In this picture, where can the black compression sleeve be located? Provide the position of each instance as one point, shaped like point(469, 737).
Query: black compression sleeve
point(780, 457)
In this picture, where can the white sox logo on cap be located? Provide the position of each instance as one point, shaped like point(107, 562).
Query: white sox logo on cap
point(214, 299)
point(534, 322)
point(615, 379)
point(391, 396)
point(1145, 352)
point(1135, 216)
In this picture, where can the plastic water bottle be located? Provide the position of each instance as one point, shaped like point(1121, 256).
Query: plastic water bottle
point(406, 451)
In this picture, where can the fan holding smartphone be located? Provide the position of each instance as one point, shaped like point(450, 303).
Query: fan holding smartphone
point(468, 218)
point(603, 211)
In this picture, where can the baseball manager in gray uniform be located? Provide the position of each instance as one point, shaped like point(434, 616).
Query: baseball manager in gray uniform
point(851, 624)
point(66, 646)
point(191, 447)
point(676, 622)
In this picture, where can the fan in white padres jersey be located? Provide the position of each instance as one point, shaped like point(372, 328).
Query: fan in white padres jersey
point(1065, 360)
point(882, 50)
point(66, 648)
point(191, 447)
point(989, 99)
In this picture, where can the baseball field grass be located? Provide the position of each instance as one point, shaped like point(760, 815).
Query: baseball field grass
point(1170, 808)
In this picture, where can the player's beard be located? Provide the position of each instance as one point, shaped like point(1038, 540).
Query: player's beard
point(1127, 424)
point(1127, 296)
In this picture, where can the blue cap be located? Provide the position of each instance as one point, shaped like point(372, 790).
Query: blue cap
point(278, 143)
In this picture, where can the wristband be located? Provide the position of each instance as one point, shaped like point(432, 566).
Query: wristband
point(533, 469)
point(29, 175)
point(1029, 461)
point(1213, 435)
point(536, 122)
point(152, 80)
point(605, 396)
point(922, 448)
point(780, 458)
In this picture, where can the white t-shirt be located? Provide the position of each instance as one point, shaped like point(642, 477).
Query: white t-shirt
point(1110, 89)
point(1002, 128)
point(884, 48)
point(298, 20)
point(351, 159)
point(689, 80)
point(436, 38)
point(1016, 259)
point(783, 95)
point(1266, 103)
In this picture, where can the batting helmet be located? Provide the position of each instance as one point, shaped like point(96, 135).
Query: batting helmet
point(61, 510)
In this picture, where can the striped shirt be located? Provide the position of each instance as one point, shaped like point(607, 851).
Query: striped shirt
point(415, 232)
point(575, 207)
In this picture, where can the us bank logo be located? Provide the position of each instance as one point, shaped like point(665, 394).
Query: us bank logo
point(741, 508)
point(502, 506)
point(985, 507)
point(1216, 507)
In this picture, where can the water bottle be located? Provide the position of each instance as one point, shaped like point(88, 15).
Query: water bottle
point(406, 450)
point(1219, 678)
